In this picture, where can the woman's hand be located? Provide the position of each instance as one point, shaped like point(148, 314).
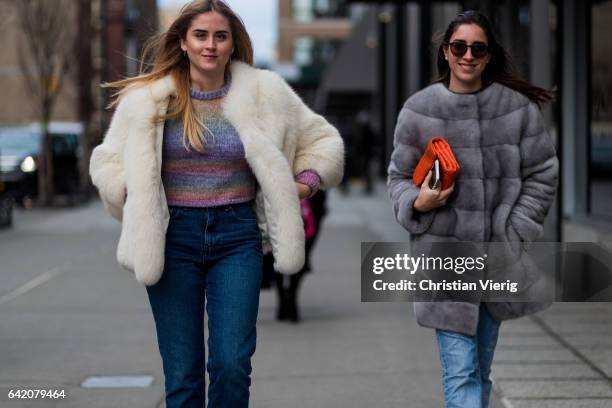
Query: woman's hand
point(428, 199)
point(303, 190)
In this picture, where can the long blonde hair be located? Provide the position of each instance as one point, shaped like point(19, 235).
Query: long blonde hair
point(168, 59)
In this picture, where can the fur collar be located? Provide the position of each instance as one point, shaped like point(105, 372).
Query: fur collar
point(438, 101)
point(242, 79)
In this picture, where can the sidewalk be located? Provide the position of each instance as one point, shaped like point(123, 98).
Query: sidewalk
point(559, 358)
point(345, 353)
point(68, 312)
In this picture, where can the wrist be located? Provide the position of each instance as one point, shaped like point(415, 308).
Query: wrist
point(417, 205)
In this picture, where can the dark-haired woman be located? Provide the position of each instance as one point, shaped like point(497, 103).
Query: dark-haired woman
point(507, 182)
point(204, 153)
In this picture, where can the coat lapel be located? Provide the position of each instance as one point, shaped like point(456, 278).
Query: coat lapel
point(270, 167)
point(161, 91)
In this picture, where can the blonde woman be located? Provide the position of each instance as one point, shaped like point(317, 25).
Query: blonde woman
point(205, 157)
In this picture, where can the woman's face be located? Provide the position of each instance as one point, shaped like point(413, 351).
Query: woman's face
point(208, 43)
point(466, 70)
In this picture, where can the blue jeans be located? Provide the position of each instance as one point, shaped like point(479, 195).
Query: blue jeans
point(213, 253)
point(466, 363)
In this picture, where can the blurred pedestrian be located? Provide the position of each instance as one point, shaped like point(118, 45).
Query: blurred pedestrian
point(345, 126)
point(287, 286)
point(203, 154)
point(364, 141)
point(361, 151)
point(508, 177)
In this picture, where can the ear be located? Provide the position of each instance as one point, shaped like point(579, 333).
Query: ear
point(445, 50)
point(183, 46)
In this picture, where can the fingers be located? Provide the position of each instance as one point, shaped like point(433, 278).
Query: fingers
point(444, 194)
point(433, 198)
point(303, 190)
point(447, 192)
point(427, 179)
point(450, 189)
point(441, 196)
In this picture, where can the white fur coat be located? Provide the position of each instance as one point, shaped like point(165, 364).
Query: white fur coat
point(281, 137)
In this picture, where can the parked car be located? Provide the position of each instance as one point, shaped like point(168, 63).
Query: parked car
point(6, 205)
point(20, 148)
point(601, 150)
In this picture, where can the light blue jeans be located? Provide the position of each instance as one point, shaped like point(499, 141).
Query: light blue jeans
point(214, 254)
point(466, 363)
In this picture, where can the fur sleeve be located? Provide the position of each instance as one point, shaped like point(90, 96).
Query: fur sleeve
point(106, 164)
point(404, 158)
point(319, 146)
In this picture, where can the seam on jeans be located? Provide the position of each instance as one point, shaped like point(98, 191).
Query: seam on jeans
point(205, 244)
point(443, 365)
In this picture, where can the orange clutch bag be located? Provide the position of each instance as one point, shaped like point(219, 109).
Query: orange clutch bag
point(439, 149)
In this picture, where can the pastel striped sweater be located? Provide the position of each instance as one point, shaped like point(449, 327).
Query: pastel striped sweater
point(220, 175)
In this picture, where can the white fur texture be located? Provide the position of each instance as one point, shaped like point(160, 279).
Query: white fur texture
point(281, 137)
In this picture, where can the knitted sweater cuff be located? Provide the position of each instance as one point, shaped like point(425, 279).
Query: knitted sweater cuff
point(311, 179)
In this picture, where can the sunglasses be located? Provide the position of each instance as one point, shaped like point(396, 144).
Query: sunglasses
point(460, 48)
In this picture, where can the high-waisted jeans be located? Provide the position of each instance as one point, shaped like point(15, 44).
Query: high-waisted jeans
point(215, 254)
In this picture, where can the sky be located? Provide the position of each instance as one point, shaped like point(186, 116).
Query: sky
point(260, 19)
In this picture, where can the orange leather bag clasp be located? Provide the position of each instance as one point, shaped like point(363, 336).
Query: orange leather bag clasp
point(437, 148)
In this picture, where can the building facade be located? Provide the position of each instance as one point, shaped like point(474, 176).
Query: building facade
point(107, 35)
point(557, 44)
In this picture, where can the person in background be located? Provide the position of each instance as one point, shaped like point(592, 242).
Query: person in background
point(205, 158)
point(287, 286)
point(508, 178)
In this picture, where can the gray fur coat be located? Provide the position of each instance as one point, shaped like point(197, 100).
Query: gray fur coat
point(506, 185)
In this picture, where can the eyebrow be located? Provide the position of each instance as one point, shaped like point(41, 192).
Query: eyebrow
point(200, 30)
point(463, 41)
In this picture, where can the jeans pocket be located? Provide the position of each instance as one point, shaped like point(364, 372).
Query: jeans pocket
point(243, 213)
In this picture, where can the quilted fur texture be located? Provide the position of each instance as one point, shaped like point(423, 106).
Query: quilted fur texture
point(507, 182)
point(281, 137)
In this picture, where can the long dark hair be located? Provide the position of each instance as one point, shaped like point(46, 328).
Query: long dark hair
point(500, 67)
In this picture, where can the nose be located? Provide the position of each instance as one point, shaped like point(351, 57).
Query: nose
point(468, 55)
point(210, 43)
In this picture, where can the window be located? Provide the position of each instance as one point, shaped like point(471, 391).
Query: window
point(601, 111)
point(308, 10)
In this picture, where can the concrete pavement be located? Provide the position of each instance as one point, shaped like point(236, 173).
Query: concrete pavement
point(67, 312)
point(559, 358)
